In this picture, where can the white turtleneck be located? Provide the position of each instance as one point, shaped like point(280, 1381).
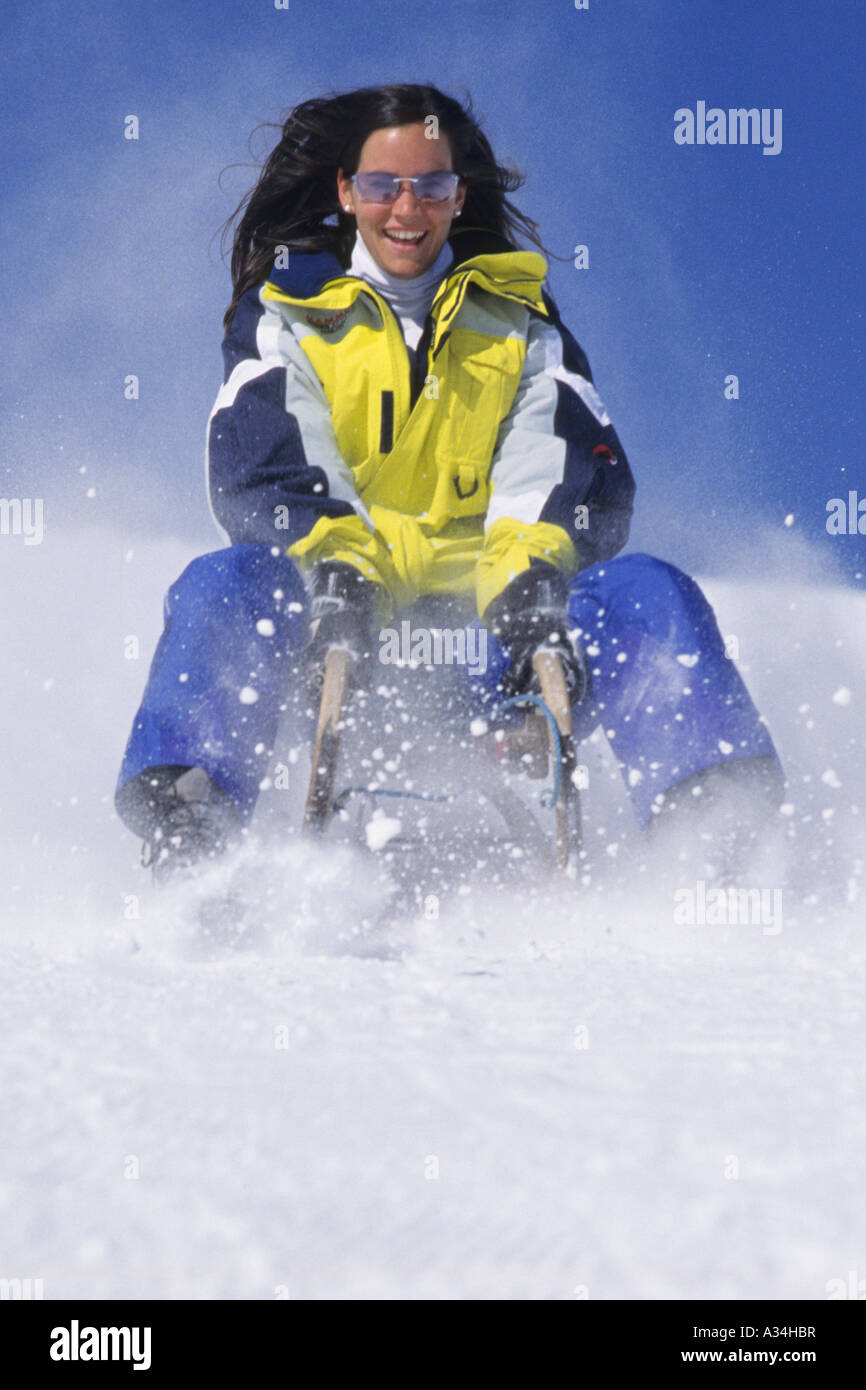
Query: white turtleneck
point(410, 298)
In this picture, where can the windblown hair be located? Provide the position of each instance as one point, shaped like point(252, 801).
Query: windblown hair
point(295, 204)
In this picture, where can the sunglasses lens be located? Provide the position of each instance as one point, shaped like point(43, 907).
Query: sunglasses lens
point(383, 188)
point(375, 188)
point(435, 188)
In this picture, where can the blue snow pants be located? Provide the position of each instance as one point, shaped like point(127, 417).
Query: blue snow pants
point(669, 700)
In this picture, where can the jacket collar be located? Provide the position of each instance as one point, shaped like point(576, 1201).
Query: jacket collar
point(309, 271)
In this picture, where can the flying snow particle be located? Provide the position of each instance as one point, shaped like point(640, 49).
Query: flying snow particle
point(789, 519)
point(830, 779)
point(265, 627)
point(725, 748)
point(248, 696)
point(478, 728)
point(380, 830)
point(842, 696)
point(689, 659)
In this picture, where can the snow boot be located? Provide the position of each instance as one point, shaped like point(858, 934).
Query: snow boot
point(185, 820)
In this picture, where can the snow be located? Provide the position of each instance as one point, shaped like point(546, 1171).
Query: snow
point(550, 1096)
point(381, 830)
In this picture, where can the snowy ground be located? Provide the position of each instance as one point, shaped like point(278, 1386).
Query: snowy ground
point(552, 1097)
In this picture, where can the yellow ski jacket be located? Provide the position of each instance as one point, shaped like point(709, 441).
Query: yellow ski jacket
point(447, 477)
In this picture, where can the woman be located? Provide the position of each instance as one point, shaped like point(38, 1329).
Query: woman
point(405, 417)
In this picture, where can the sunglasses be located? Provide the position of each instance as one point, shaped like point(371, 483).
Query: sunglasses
point(385, 188)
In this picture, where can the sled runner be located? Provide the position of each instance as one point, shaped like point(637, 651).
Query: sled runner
point(326, 744)
point(554, 693)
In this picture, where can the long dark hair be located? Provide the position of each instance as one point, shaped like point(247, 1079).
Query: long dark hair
point(295, 204)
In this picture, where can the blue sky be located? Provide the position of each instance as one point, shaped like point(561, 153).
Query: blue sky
point(704, 261)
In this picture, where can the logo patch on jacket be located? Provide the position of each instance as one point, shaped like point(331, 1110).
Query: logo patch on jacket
point(328, 323)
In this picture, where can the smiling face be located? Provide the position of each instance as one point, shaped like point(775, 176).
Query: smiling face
point(405, 151)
